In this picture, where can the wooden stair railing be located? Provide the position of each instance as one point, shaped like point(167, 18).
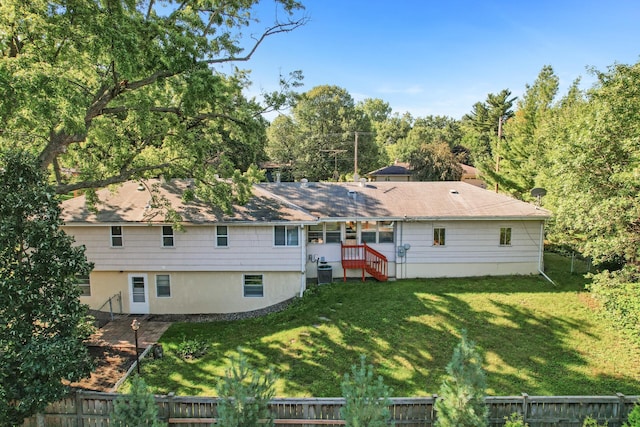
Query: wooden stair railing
point(365, 258)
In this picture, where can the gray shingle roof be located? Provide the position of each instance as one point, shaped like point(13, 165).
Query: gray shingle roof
point(277, 202)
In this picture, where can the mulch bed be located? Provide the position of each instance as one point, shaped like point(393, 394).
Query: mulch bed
point(111, 363)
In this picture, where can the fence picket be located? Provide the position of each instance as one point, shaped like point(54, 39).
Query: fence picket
point(92, 409)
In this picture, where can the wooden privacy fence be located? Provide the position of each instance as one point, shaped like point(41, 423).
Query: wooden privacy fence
point(92, 409)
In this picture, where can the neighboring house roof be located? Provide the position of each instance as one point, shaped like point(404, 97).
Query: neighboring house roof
point(397, 169)
point(410, 200)
point(308, 202)
point(127, 204)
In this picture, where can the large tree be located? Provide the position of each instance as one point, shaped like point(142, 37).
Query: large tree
point(42, 322)
point(526, 145)
point(485, 132)
point(428, 130)
point(593, 185)
point(104, 91)
point(326, 126)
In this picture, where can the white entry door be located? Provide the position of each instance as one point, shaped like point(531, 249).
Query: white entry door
point(138, 294)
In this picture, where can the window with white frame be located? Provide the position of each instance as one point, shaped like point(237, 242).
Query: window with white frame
point(253, 285)
point(376, 231)
point(368, 231)
point(505, 236)
point(315, 233)
point(324, 233)
point(167, 236)
point(116, 236)
point(163, 285)
point(84, 283)
point(438, 237)
point(386, 231)
point(332, 232)
point(350, 231)
point(222, 236)
point(285, 235)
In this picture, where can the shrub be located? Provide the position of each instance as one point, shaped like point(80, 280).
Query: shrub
point(461, 401)
point(244, 395)
point(590, 422)
point(633, 420)
point(515, 420)
point(366, 398)
point(192, 349)
point(137, 409)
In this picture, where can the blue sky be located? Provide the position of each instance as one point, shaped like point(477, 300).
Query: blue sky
point(440, 57)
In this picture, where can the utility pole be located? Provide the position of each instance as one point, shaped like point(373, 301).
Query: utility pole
point(355, 158)
point(335, 153)
point(498, 150)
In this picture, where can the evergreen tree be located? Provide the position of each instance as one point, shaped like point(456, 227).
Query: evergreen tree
point(42, 322)
point(461, 400)
point(244, 395)
point(366, 398)
point(137, 409)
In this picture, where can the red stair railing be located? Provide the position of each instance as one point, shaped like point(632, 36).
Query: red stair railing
point(366, 258)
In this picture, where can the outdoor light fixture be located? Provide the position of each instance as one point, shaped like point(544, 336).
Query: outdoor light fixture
point(135, 325)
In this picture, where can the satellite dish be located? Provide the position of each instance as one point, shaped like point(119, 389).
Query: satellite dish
point(538, 192)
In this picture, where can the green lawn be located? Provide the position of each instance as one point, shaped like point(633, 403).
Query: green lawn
point(536, 338)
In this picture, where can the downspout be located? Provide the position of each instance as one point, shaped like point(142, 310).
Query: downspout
point(541, 255)
point(303, 261)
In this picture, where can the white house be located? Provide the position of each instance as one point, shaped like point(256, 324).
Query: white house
point(265, 252)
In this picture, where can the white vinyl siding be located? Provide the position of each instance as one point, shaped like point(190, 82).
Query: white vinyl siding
point(252, 250)
point(471, 242)
point(117, 240)
point(163, 285)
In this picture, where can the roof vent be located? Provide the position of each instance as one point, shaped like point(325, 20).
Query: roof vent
point(452, 191)
point(363, 182)
point(304, 182)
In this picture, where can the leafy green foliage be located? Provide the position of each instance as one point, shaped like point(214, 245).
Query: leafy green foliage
point(515, 420)
point(319, 137)
point(138, 408)
point(592, 422)
point(435, 162)
point(366, 398)
point(192, 348)
point(105, 92)
point(461, 398)
point(244, 395)
point(42, 322)
point(633, 419)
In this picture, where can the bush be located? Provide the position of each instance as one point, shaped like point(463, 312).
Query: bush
point(619, 293)
point(461, 401)
point(137, 409)
point(244, 395)
point(192, 349)
point(515, 420)
point(366, 398)
point(633, 420)
point(590, 422)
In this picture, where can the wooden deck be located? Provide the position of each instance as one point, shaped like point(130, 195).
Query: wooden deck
point(368, 260)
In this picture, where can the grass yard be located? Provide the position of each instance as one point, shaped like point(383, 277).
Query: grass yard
point(536, 338)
